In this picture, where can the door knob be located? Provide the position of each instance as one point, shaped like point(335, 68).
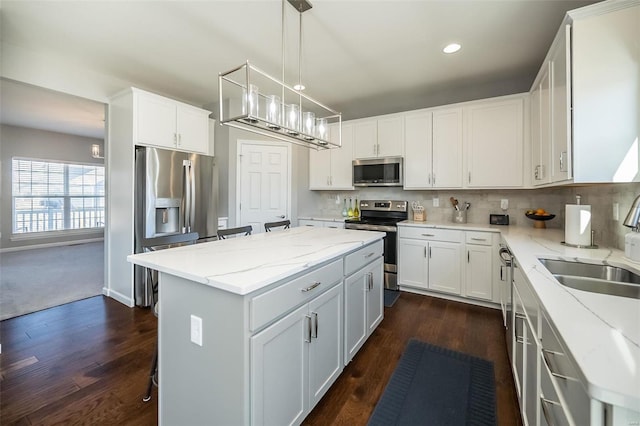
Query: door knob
point(282, 216)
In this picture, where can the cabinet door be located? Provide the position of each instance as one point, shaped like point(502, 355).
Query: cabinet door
point(375, 295)
point(444, 267)
point(418, 150)
point(494, 138)
point(518, 321)
point(390, 136)
point(192, 129)
point(342, 159)
point(560, 165)
point(531, 383)
point(447, 148)
point(310, 222)
point(320, 169)
point(479, 272)
point(155, 120)
point(365, 139)
point(325, 351)
point(541, 128)
point(279, 371)
point(412, 263)
point(355, 313)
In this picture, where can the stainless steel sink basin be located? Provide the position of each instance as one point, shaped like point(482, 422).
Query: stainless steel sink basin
point(605, 279)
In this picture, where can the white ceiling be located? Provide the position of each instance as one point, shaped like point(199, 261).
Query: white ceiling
point(360, 57)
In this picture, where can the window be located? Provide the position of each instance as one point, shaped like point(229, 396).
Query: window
point(53, 196)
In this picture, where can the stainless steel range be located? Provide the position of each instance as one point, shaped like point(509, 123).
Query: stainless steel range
point(383, 215)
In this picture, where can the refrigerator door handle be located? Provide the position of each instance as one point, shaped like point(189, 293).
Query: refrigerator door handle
point(185, 204)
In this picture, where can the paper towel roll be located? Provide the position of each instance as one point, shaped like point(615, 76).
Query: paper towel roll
point(577, 224)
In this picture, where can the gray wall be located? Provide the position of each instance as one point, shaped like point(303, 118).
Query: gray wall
point(483, 202)
point(39, 144)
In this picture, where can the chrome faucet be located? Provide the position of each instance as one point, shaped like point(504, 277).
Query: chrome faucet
point(633, 217)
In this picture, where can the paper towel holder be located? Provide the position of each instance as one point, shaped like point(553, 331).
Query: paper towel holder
point(590, 246)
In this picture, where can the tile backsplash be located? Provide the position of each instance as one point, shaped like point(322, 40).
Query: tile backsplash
point(608, 232)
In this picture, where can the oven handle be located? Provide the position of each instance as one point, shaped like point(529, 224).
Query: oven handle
point(381, 228)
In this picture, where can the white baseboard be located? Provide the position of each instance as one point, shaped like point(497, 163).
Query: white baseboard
point(125, 300)
point(47, 245)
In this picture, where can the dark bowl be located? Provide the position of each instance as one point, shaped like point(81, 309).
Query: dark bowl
point(538, 217)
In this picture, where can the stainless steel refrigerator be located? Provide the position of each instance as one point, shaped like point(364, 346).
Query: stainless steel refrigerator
point(175, 192)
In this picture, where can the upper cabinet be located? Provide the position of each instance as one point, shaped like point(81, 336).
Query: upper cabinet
point(433, 149)
point(494, 141)
point(379, 137)
point(165, 123)
point(585, 111)
point(332, 168)
point(606, 92)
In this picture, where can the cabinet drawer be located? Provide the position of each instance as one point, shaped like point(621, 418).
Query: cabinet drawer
point(552, 412)
point(361, 257)
point(434, 234)
point(267, 306)
point(479, 238)
point(565, 374)
point(333, 224)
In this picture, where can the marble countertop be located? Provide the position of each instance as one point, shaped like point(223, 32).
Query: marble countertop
point(601, 332)
point(246, 264)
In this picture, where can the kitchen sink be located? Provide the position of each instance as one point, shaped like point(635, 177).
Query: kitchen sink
point(605, 279)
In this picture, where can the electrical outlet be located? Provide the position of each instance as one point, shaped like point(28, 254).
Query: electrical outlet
point(436, 202)
point(504, 204)
point(196, 330)
point(616, 211)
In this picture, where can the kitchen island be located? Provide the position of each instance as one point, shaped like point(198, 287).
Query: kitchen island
point(254, 330)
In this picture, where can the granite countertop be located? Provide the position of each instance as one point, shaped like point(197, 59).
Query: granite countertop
point(246, 264)
point(601, 332)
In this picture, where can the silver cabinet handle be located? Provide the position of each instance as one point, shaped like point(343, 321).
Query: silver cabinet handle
point(434, 178)
point(429, 179)
point(311, 287)
point(308, 319)
point(366, 256)
point(315, 322)
point(549, 364)
point(429, 252)
point(428, 235)
point(478, 239)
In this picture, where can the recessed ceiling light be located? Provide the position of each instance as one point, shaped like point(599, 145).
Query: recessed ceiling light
point(299, 87)
point(451, 48)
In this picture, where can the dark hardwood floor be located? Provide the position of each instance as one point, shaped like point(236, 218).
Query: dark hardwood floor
point(87, 362)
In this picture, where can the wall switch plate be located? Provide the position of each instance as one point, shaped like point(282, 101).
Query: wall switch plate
point(436, 202)
point(616, 211)
point(196, 330)
point(504, 204)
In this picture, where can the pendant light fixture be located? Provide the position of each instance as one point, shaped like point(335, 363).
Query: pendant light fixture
point(252, 100)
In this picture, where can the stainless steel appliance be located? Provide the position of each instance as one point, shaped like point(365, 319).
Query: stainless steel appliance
point(506, 293)
point(378, 172)
point(175, 193)
point(383, 215)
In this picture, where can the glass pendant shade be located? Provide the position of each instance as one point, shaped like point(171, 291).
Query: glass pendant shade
point(250, 102)
point(293, 119)
point(274, 112)
point(322, 129)
point(309, 125)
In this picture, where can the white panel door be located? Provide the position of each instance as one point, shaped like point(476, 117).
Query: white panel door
point(355, 315)
point(279, 375)
point(445, 267)
point(412, 263)
point(375, 296)
point(325, 350)
point(479, 272)
point(264, 184)
point(447, 148)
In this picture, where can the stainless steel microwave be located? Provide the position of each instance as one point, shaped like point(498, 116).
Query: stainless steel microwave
point(378, 172)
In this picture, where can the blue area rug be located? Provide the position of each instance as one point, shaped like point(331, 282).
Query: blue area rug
point(390, 297)
point(434, 386)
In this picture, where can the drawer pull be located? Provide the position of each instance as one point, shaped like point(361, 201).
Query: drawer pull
point(311, 287)
point(478, 239)
point(549, 364)
point(428, 235)
point(366, 256)
point(545, 412)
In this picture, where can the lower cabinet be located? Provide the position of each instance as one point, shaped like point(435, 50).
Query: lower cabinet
point(321, 223)
point(364, 299)
point(479, 274)
point(295, 360)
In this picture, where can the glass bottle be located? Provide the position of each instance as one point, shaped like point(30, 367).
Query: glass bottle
point(350, 211)
point(356, 210)
point(344, 208)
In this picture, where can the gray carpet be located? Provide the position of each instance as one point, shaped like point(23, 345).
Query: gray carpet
point(32, 280)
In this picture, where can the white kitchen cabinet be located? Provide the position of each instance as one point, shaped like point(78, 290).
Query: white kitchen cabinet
point(430, 259)
point(494, 141)
point(332, 168)
point(479, 266)
point(379, 137)
point(364, 298)
point(433, 149)
point(541, 128)
point(295, 361)
point(319, 223)
point(165, 123)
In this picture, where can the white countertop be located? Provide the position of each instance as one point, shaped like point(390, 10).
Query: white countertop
point(246, 264)
point(602, 332)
